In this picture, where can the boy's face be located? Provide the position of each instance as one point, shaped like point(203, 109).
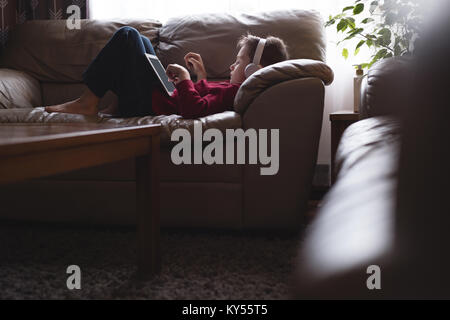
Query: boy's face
point(237, 74)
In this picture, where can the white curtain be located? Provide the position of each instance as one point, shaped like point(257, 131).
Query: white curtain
point(339, 96)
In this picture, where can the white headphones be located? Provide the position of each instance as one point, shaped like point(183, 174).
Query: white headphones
point(251, 68)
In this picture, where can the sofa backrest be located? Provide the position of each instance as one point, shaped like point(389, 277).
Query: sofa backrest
point(51, 52)
point(215, 36)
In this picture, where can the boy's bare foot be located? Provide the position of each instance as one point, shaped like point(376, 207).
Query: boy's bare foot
point(77, 106)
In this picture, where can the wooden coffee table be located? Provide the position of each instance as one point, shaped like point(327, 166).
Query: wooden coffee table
point(29, 151)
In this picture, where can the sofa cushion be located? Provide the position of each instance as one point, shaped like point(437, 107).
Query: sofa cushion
point(49, 51)
point(18, 90)
point(215, 36)
point(283, 71)
point(221, 121)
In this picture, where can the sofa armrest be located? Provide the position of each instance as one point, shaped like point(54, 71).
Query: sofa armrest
point(18, 90)
point(296, 108)
point(355, 226)
point(385, 88)
point(278, 73)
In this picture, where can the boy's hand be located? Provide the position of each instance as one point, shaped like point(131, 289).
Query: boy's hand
point(194, 62)
point(177, 73)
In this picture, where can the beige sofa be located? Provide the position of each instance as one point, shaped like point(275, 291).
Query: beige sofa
point(43, 63)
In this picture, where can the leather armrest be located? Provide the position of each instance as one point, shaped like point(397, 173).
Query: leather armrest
point(295, 108)
point(384, 90)
point(277, 73)
point(18, 90)
point(355, 226)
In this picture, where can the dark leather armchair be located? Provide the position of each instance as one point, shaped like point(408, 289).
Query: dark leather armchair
point(389, 205)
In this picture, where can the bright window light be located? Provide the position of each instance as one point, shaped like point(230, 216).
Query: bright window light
point(163, 10)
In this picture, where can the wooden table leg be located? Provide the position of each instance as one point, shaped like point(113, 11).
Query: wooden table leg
point(147, 196)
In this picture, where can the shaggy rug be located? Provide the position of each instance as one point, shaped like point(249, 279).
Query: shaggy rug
point(195, 265)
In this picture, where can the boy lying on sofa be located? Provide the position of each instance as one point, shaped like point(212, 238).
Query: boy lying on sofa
point(122, 67)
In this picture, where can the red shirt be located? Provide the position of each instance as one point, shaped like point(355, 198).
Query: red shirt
point(195, 100)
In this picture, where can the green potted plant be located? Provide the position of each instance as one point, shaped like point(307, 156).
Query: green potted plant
point(389, 28)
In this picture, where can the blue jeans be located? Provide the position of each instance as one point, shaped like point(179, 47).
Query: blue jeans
point(122, 67)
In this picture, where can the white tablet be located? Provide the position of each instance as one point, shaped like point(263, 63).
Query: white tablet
point(161, 72)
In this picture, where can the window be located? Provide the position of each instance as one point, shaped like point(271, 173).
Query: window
point(163, 10)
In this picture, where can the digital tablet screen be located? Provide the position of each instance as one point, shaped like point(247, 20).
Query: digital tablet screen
point(161, 72)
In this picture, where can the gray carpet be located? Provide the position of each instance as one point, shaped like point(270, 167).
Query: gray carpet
point(33, 262)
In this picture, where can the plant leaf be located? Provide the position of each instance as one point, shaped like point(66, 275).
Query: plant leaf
point(347, 8)
point(342, 25)
point(364, 65)
point(360, 44)
point(351, 22)
point(353, 33)
point(367, 20)
point(345, 53)
point(380, 54)
point(330, 22)
point(373, 6)
point(358, 8)
point(386, 35)
point(358, 47)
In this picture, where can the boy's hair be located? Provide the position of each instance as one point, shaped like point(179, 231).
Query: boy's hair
point(275, 49)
